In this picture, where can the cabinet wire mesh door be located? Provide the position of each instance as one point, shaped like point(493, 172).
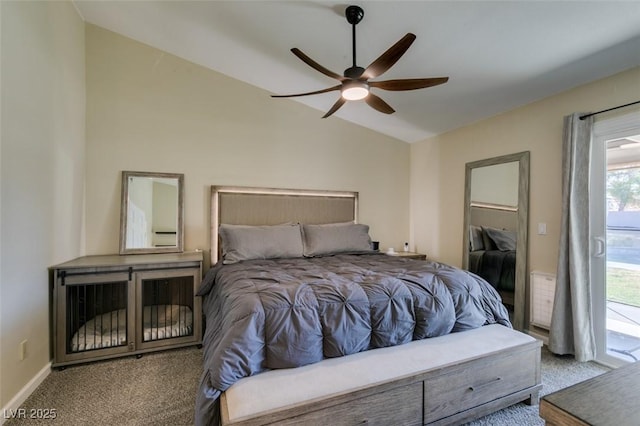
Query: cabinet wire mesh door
point(111, 306)
point(167, 312)
point(95, 315)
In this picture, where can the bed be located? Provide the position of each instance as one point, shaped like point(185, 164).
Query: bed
point(296, 293)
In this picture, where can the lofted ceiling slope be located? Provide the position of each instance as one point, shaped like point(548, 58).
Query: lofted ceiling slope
point(498, 54)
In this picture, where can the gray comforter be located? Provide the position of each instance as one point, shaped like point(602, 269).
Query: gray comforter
point(268, 314)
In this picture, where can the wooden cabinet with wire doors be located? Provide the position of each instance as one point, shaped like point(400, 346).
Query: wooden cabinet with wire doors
point(111, 306)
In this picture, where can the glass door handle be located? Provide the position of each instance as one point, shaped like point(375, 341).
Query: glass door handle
point(600, 247)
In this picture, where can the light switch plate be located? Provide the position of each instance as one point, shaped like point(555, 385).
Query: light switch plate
point(542, 229)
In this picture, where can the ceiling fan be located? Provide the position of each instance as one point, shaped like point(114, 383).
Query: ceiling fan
point(355, 84)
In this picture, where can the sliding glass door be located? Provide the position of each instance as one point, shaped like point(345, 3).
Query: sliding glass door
point(615, 238)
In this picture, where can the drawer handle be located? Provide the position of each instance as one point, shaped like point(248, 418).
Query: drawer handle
point(478, 387)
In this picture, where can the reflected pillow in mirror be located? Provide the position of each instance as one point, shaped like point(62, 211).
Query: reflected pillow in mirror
point(244, 242)
point(475, 238)
point(333, 238)
point(502, 239)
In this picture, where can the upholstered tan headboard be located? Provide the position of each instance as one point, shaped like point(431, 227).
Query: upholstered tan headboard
point(494, 216)
point(236, 205)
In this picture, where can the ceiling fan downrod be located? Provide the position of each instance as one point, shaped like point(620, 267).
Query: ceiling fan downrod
point(354, 15)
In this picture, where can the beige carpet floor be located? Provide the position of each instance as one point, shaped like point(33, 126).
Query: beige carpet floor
point(157, 389)
point(160, 389)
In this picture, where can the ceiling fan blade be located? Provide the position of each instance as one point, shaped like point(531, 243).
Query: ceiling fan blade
point(316, 66)
point(408, 83)
point(377, 103)
point(329, 89)
point(388, 58)
point(335, 107)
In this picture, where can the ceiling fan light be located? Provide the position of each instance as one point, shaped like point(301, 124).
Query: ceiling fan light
point(355, 90)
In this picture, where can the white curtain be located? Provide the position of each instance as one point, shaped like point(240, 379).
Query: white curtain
point(572, 320)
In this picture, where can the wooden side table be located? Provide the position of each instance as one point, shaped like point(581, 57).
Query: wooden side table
point(408, 255)
point(608, 399)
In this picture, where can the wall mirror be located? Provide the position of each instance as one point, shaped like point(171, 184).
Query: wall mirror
point(151, 215)
point(496, 227)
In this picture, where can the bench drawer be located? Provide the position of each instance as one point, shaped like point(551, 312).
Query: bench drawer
point(399, 406)
point(477, 382)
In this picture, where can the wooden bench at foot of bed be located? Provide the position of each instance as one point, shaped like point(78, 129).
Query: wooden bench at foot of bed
point(445, 380)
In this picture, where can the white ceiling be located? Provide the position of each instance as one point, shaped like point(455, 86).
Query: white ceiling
point(498, 54)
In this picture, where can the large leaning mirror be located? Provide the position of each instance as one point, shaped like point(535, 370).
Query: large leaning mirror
point(496, 227)
point(151, 216)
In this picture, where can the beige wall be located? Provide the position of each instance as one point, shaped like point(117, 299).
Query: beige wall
point(438, 167)
point(150, 111)
point(42, 175)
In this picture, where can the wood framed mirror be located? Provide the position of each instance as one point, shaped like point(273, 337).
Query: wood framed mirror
point(496, 227)
point(151, 214)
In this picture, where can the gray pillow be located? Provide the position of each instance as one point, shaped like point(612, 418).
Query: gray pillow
point(475, 238)
point(487, 242)
point(334, 238)
point(504, 240)
point(244, 242)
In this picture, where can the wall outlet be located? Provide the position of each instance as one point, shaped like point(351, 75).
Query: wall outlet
point(23, 350)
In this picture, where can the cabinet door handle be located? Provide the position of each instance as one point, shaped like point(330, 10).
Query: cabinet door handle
point(483, 385)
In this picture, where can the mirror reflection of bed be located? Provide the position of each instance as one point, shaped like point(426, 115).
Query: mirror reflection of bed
point(492, 247)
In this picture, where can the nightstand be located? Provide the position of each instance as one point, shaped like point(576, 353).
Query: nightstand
point(408, 255)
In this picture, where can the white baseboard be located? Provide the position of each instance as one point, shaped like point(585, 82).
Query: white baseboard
point(24, 393)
